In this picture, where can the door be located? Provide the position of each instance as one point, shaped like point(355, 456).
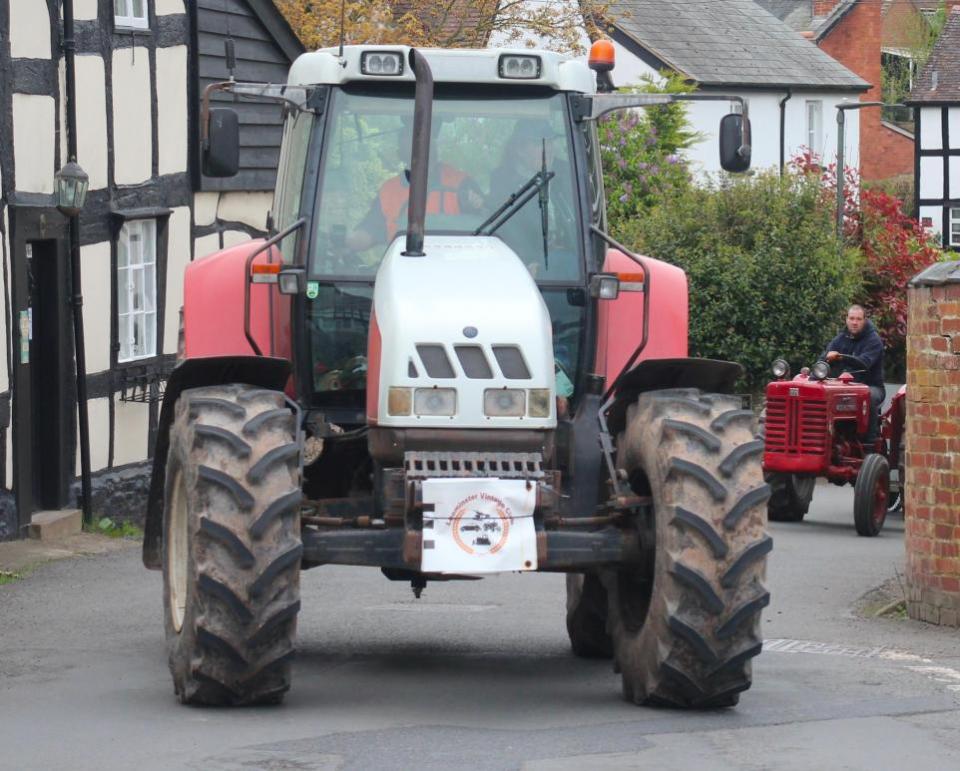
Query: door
point(42, 353)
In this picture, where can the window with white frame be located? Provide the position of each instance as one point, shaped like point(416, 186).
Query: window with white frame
point(815, 126)
point(955, 227)
point(130, 14)
point(137, 290)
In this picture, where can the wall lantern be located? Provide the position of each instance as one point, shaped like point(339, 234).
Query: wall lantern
point(72, 182)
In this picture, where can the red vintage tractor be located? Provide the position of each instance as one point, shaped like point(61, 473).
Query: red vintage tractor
point(814, 426)
point(440, 365)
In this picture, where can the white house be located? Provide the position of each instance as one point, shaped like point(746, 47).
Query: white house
point(936, 102)
point(736, 47)
point(140, 68)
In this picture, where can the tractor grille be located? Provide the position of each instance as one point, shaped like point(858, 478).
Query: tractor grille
point(796, 426)
point(504, 465)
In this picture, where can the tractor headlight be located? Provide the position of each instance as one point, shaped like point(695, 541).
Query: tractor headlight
point(519, 66)
point(435, 401)
point(780, 368)
point(538, 403)
point(381, 63)
point(504, 403)
point(820, 370)
point(399, 401)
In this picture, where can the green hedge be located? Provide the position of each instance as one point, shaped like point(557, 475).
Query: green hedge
point(766, 276)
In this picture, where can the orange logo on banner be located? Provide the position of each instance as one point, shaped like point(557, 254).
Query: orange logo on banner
point(481, 524)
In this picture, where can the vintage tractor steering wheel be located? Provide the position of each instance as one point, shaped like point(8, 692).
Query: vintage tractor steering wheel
point(846, 362)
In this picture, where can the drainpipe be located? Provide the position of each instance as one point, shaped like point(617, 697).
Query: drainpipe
point(783, 129)
point(69, 49)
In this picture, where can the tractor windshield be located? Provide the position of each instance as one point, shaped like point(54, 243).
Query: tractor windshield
point(485, 145)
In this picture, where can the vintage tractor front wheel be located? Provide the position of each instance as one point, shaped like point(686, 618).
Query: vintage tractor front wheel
point(790, 496)
point(870, 494)
point(587, 616)
point(686, 623)
point(231, 546)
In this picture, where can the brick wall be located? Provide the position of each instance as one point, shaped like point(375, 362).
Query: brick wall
point(855, 42)
point(932, 511)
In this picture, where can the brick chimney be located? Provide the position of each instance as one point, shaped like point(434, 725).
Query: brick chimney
point(822, 8)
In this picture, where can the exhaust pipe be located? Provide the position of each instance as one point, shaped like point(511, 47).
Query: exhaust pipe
point(420, 154)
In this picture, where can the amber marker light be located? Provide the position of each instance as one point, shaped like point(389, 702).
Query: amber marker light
point(602, 57)
point(265, 273)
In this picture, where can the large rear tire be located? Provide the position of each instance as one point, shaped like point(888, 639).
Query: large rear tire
point(587, 616)
point(231, 546)
point(870, 494)
point(790, 496)
point(686, 623)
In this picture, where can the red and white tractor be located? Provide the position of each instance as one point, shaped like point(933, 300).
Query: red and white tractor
point(440, 365)
point(814, 427)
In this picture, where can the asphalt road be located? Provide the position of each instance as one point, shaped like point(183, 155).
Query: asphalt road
point(478, 675)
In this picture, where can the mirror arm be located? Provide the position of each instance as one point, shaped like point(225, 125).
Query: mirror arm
point(602, 104)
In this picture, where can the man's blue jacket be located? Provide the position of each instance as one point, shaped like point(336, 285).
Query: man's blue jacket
point(866, 346)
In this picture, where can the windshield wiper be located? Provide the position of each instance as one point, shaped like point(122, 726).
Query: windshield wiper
point(544, 196)
point(536, 185)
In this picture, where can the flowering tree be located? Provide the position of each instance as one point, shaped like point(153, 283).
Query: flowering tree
point(442, 23)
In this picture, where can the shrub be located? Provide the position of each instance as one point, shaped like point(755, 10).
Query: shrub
point(767, 277)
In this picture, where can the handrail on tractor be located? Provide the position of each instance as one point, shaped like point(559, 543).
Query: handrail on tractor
point(266, 245)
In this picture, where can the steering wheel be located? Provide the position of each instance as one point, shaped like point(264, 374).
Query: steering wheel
point(846, 362)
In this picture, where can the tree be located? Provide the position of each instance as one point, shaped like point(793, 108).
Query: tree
point(441, 23)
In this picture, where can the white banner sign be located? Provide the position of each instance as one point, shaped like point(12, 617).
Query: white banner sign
point(479, 526)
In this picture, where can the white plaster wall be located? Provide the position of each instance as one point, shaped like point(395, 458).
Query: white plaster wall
point(205, 208)
point(132, 431)
point(98, 417)
point(953, 126)
point(34, 141)
point(178, 257)
point(167, 7)
point(206, 245)
point(172, 108)
point(954, 177)
point(248, 208)
point(234, 237)
point(95, 275)
point(29, 29)
point(931, 128)
point(84, 10)
point(931, 177)
point(92, 119)
point(131, 116)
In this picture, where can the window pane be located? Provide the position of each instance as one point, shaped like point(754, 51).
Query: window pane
point(150, 334)
point(139, 9)
point(123, 291)
point(120, 7)
point(148, 229)
point(149, 289)
point(137, 287)
point(123, 334)
point(123, 250)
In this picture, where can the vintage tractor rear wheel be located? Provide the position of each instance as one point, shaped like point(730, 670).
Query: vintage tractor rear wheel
point(587, 616)
point(790, 496)
point(686, 623)
point(870, 494)
point(231, 546)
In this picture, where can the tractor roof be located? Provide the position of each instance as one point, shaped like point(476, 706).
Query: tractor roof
point(468, 65)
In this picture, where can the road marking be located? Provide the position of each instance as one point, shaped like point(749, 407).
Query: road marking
point(946, 676)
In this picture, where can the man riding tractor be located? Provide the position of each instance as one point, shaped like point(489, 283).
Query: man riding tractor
point(825, 422)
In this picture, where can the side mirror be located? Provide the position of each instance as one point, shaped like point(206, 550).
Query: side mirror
point(221, 149)
point(734, 143)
